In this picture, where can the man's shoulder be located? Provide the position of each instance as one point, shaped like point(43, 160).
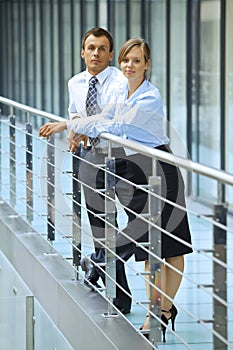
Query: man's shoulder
point(77, 78)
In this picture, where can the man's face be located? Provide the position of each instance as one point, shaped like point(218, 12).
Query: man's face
point(96, 54)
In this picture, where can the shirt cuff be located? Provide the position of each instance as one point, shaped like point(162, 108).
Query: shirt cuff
point(69, 124)
point(74, 115)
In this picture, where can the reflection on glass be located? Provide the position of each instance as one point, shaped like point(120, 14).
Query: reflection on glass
point(229, 98)
point(209, 108)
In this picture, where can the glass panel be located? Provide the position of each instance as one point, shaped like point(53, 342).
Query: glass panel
point(16, 49)
point(55, 83)
point(38, 72)
point(13, 311)
point(76, 44)
point(157, 46)
point(209, 109)
point(23, 53)
point(229, 96)
point(89, 14)
point(46, 57)
point(9, 50)
point(30, 78)
point(194, 27)
point(103, 14)
point(12, 326)
point(135, 18)
point(177, 127)
point(120, 26)
point(12, 307)
point(66, 51)
point(47, 336)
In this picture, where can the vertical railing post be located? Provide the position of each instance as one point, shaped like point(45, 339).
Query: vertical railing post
point(29, 177)
point(76, 227)
point(155, 248)
point(12, 160)
point(110, 231)
point(220, 276)
point(51, 189)
point(30, 322)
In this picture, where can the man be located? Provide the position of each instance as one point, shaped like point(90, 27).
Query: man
point(133, 168)
point(97, 52)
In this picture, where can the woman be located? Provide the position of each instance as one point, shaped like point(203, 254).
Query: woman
point(138, 116)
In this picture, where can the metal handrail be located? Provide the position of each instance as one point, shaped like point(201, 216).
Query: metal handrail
point(213, 173)
point(31, 110)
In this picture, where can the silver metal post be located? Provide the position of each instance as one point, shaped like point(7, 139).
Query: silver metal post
point(29, 177)
point(30, 321)
point(51, 190)
point(154, 263)
point(76, 227)
point(12, 160)
point(110, 232)
point(220, 276)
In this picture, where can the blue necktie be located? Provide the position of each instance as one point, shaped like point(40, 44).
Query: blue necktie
point(91, 104)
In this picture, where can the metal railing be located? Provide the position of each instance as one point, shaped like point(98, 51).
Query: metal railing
point(38, 181)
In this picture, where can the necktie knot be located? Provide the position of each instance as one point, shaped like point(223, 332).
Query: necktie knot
point(93, 81)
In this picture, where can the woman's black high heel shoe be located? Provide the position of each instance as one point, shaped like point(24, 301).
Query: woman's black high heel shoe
point(173, 311)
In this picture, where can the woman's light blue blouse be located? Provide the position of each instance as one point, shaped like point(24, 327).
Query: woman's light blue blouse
point(139, 118)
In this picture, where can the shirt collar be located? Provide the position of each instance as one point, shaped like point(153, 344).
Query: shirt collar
point(102, 76)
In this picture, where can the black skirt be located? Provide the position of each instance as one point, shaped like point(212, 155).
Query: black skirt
point(173, 219)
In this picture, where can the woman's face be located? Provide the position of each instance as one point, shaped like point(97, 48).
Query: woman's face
point(133, 65)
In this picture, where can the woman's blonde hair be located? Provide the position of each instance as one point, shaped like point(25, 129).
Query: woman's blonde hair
point(129, 44)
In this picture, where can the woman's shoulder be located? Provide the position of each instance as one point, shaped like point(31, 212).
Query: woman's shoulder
point(150, 88)
point(148, 93)
point(149, 98)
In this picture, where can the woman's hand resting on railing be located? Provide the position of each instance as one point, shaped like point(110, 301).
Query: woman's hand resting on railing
point(74, 140)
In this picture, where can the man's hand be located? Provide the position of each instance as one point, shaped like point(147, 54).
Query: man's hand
point(52, 128)
point(74, 140)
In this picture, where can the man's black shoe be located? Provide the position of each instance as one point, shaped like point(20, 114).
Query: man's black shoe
point(91, 278)
point(86, 266)
point(92, 284)
point(91, 274)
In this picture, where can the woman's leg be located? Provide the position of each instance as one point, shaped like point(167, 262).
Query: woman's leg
point(170, 283)
point(171, 280)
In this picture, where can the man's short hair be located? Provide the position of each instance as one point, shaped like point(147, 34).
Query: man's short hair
point(98, 32)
